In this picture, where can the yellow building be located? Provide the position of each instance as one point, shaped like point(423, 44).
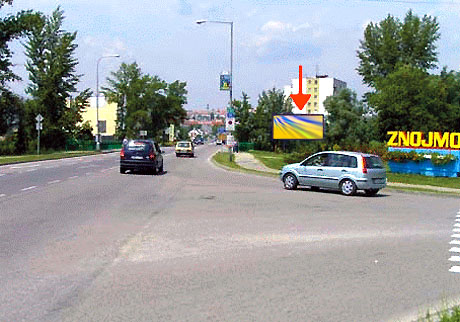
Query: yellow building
point(107, 116)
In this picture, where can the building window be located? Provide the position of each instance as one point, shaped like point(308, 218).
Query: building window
point(316, 89)
point(315, 104)
point(309, 104)
point(316, 81)
point(309, 111)
point(309, 81)
point(102, 126)
point(316, 96)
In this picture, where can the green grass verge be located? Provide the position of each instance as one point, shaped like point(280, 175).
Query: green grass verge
point(270, 159)
point(446, 315)
point(51, 156)
point(222, 158)
point(275, 161)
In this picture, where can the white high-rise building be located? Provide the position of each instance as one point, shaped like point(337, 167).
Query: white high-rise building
point(320, 87)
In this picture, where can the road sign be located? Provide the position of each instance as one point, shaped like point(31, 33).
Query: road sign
point(230, 115)
point(225, 82)
point(143, 133)
point(38, 126)
point(39, 118)
point(300, 99)
point(230, 124)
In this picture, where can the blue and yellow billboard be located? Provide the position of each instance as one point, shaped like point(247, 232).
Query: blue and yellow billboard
point(298, 127)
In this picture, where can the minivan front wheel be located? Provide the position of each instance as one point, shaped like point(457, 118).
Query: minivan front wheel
point(348, 187)
point(290, 182)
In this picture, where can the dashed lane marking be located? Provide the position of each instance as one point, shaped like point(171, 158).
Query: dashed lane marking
point(454, 242)
point(54, 181)
point(73, 177)
point(455, 250)
point(454, 258)
point(28, 188)
point(456, 225)
point(30, 170)
point(2, 195)
point(455, 236)
point(455, 269)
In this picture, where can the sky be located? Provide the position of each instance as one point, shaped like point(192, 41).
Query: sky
point(271, 39)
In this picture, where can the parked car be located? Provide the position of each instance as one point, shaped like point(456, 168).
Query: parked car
point(185, 148)
point(218, 142)
point(142, 155)
point(338, 170)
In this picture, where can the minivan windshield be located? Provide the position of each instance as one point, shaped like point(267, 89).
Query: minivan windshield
point(183, 145)
point(374, 162)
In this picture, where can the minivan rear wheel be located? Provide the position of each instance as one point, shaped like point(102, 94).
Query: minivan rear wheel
point(290, 181)
point(348, 187)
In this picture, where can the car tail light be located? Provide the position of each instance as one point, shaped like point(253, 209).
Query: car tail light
point(152, 156)
point(364, 165)
point(122, 154)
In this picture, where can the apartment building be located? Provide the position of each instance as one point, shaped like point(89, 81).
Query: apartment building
point(320, 87)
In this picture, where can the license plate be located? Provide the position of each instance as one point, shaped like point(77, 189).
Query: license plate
point(379, 180)
point(137, 158)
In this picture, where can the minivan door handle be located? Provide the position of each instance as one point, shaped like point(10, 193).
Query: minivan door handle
point(344, 171)
point(320, 169)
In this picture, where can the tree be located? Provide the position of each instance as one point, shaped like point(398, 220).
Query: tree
point(51, 65)
point(145, 102)
point(392, 42)
point(243, 116)
point(409, 99)
point(269, 103)
point(346, 124)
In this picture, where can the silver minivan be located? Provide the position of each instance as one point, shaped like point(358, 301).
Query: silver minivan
point(338, 170)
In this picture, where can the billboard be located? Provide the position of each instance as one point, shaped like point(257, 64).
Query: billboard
point(298, 127)
point(422, 140)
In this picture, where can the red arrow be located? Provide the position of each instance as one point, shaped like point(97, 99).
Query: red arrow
point(300, 99)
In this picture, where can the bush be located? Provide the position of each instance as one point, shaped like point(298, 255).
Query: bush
point(294, 157)
point(7, 146)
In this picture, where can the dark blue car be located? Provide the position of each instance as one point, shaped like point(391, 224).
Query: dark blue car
point(141, 155)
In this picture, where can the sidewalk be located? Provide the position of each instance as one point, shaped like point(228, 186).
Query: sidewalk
point(248, 161)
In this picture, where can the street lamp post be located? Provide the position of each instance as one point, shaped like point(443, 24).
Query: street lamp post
point(98, 137)
point(231, 63)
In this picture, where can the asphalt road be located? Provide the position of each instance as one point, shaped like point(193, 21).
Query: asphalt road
point(200, 243)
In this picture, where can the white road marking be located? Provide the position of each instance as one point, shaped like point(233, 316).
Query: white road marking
point(30, 170)
point(25, 166)
point(455, 242)
point(89, 173)
point(456, 225)
point(456, 230)
point(458, 219)
point(454, 258)
point(73, 177)
point(455, 250)
point(29, 188)
point(54, 181)
point(455, 236)
point(455, 269)
point(2, 174)
point(2, 195)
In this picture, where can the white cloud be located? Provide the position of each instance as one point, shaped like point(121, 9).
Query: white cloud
point(275, 26)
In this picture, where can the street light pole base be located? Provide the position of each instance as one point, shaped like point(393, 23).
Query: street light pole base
point(98, 146)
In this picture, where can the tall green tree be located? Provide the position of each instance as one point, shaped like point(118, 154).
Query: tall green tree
point(346, 123)
point(145, 102)
point(409, 99)
point(52, 73)
point(12, 27)
point(244, 118)
point(392, 42)
point(270, 102)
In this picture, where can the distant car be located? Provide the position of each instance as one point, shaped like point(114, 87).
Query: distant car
point(338, 170)
point(185, 148)
point(141, 155)
point(218, 142)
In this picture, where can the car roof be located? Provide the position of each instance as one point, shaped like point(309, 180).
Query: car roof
point(352, 153)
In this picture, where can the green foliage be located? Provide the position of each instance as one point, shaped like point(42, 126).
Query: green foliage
point(346, 123)
point(294, 157)
point(438, 159)
point(144, 102)
point(391, 42)
point(409, 99)
point(244, 117)
point(7, 146)
point(52, 72)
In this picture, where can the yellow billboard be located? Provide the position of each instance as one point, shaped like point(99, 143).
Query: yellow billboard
point(417, 139)
point(298, 127)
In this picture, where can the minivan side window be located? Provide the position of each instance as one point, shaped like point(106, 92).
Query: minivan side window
point(317, 161)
